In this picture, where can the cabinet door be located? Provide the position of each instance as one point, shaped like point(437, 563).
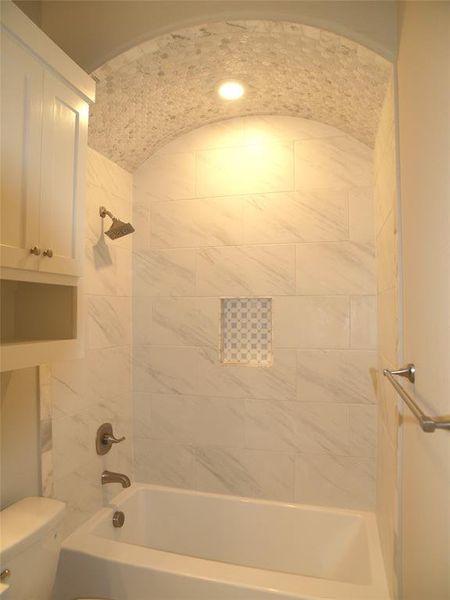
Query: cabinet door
point(64, 143)
point(21, 118)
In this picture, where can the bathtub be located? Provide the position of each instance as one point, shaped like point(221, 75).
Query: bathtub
point(177, 544)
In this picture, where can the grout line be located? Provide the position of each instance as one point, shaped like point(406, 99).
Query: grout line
point(198, 248)
point(296, 191)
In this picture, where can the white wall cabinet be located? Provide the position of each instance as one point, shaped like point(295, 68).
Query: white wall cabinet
point(45, 100)
point(44, 142)
point(21, 133)
point(63, 166)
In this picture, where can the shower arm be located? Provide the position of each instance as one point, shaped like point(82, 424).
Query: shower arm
point(103, 212)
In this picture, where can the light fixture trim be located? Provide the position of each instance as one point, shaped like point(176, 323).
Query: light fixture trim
point(231, 89)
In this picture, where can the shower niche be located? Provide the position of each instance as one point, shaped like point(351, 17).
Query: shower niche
point(39, 323)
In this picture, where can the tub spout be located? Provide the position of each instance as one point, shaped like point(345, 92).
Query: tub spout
point(111, 477)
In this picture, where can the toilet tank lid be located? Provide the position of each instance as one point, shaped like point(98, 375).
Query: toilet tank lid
point(26, 521)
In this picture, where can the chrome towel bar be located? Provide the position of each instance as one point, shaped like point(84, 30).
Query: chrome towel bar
point(428, 424)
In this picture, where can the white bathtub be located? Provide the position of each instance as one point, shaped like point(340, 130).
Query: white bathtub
point(179, 545)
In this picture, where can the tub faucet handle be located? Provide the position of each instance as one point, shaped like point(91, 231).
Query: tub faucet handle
point(109, 438)
point(105, 438)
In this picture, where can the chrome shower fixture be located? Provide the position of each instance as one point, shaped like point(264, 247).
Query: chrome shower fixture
point(118, 228)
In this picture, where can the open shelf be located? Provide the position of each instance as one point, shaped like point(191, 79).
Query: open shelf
point(39, 323)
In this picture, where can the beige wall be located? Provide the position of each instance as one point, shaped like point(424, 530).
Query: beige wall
point(92, 32)
point(388, 294)
point(97, 388)
point(424, 128)
point(274, 207)
point(20, 447)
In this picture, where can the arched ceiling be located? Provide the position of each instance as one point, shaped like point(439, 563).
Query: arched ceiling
point(165, 87)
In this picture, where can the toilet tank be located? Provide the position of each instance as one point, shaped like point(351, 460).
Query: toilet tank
point(29, 547)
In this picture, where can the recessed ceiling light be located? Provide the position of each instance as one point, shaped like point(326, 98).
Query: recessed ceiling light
point(231, 90)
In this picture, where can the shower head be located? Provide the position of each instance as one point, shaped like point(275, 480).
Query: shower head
point(118, 228)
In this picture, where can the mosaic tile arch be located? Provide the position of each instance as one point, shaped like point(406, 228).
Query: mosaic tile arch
point(166, 86)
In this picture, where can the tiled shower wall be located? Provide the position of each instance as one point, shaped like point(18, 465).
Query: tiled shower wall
point(79, 395)
point(257, 207)
point(388, 332)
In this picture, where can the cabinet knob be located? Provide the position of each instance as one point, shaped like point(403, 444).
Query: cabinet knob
point(48, 252)
point(35, 250)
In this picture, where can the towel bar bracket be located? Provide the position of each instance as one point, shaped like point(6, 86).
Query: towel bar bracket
point(409, 372)
point(427, 424)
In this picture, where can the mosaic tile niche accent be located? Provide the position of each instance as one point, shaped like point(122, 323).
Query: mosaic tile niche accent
point(246, 331)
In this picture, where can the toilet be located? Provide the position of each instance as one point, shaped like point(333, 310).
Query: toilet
point(29, 547)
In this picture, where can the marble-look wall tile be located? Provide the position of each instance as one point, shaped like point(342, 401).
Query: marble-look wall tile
point(108, 371)
point(253, 473)
point(142, 415)
point(184, 322)
point(164, 463)
point(222, 134)
point(97, 388)
point(169, 370)
point(197, 420)
point(141, 219)
point(100, 269)
point(72, 443)
point(336, 376)
point(106, 174)
point(335, 480)
point(307, 428)
point(239, 229)
point(386, 245)
point(389, 405)
point(45, 398)
point(46, 430)
point(123, 273)
point(271, 425)
point(335, 268)
point(69, 389)
point(387, 505)
point(107, 269)
point(290, 217)
point(336, 163)
point(385, 160)
point(264, 128)
point(47, 474)
point(82, 493)
point(168, 177)
point(196, 223)
point(361, 215)
point(246, 270)
point(385, 187)
point(388, 325)
point(239, 381)
point(229, 171)
point(311, 321)
point(108, 321)
point(142, 320)
point(386, 200)
point(363, 430)
point(164, 273)
point(363, 315)
point(323, 428)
